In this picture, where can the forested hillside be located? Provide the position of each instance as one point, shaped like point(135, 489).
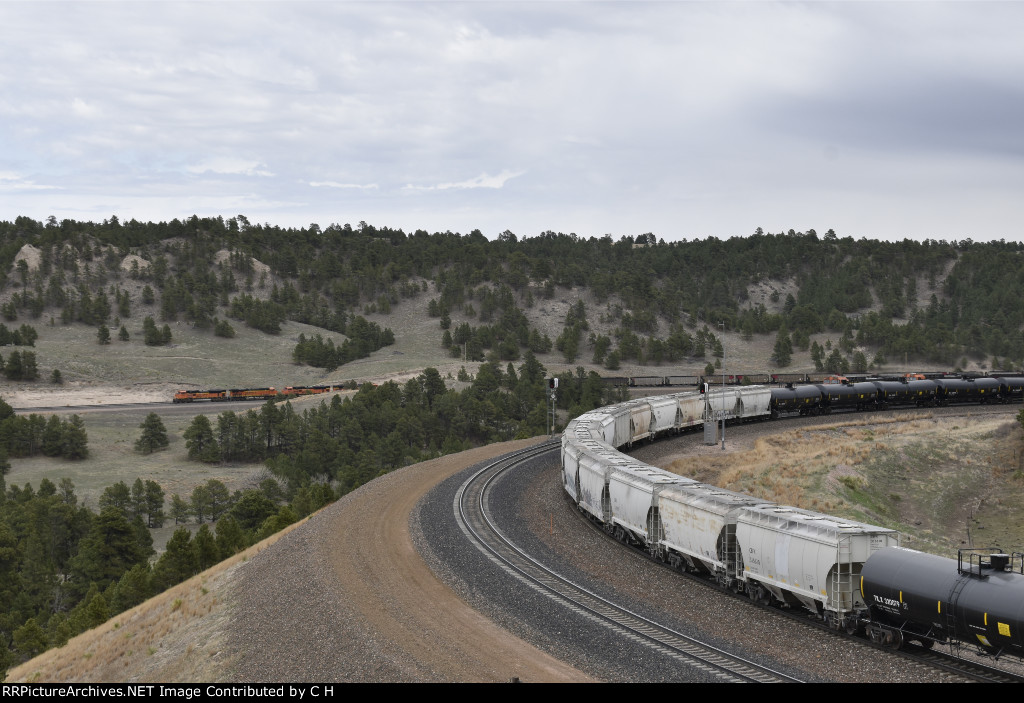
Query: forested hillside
point(631, 300)
point(65, 568)
point(933, 302)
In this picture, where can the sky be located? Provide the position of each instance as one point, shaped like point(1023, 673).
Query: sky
point(885, 120)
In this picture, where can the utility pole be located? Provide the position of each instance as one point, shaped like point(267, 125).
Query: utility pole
point(722, 325)
point(552, 392)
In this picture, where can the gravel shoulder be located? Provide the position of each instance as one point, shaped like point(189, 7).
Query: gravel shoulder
point(348, 598)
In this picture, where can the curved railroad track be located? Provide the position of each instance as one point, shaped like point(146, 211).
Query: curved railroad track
point(948, 662)
point(951, 661)
point(472, 513)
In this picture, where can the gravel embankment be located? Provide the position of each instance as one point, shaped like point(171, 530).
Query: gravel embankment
point(345, 597)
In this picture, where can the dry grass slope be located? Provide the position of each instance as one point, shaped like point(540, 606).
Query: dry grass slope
point(944, 483)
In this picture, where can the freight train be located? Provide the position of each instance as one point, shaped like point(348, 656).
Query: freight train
point(782, 378)
point(823, 398)
point(853, 576)
point(223, 395)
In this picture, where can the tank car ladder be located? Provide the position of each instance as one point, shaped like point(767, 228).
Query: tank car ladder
point(949, 617)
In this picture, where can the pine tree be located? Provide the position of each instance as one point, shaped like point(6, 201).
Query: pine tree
point(53, 437)
point(111, 548)
point(29, 368)
point(76, 441)
point(12, 369)
point(150, 334)
point(200, 503)
point(58, 632)
point(154, 435)
point(220, 499)
point(29, 639)
point(138, 499)
point(252, 509)
point(860, 362)
point(117, 496)
point(90, 612)
point(103, 335)
point(133, 588)
point(200, 442)
point(180, 509)
point(230, 538)
point(818, 356)
point(180, 561)
point(222, 328)
point(6, 660)
point(154, 504)
point(783, 352)
point(206, 547)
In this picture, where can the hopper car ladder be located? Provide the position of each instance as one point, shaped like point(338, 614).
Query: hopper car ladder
point(842, 578)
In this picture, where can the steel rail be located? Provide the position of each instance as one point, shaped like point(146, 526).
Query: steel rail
point(946, 659)
point(472, 514)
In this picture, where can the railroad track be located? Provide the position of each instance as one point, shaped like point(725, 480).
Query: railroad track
point(472, 514)
point(938, 659)
point(950, 658)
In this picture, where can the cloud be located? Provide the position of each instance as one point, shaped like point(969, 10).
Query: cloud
point(15, 181)
point(684, 119)
point(335, 184)
point(84, 109)
point(484, 180)
point(231, 166)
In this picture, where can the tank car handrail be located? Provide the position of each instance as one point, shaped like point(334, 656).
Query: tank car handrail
point(991, 558)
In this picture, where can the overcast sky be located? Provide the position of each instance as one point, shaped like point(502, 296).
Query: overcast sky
point(685, 119)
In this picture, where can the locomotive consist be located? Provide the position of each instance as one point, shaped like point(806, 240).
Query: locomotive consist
point(852, 575)
point(223, 395)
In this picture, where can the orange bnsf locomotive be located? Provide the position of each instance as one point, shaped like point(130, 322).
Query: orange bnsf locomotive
point(223, 395)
